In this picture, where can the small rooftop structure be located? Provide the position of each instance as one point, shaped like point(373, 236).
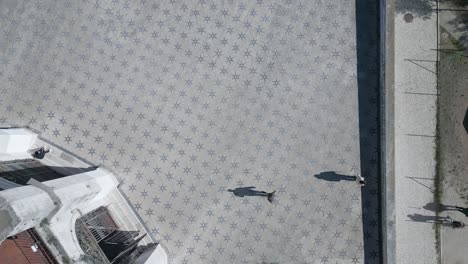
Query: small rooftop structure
point(25, 248)
point(68, 201)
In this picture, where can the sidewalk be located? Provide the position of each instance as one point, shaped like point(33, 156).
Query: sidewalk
point(415, 123)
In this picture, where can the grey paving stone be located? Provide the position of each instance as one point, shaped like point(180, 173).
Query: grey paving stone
point(185, 100)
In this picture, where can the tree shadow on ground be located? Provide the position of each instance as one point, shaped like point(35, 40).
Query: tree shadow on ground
point(419, 8)
point(424, 9)
point(459, 30)
point(456, 3)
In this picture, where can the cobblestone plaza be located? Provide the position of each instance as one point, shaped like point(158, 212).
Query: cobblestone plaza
point(184, 100)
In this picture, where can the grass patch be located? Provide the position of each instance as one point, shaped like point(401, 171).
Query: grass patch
point(51, 239)
point(44, 222)
point(438, 190)
point(447, 58)
point(65, 260)
point(455, 42)
point(438, 167)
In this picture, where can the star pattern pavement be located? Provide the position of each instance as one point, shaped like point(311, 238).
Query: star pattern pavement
point(184, 100)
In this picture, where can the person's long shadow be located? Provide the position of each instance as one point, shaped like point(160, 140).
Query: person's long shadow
point(247, 191)
point(435, 207)
point(334, 177)
point(432, 219)
point(368, 81)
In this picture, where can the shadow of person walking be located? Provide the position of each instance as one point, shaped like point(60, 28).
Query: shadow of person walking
point(247, 191)
point(333, 176)
point(430, 219)
point(438, 220)
point(436, 207)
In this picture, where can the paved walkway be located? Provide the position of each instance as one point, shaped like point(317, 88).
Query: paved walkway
point(415, 124)
point(185, 100)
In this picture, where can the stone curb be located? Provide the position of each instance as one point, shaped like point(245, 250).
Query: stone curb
point(387, 132)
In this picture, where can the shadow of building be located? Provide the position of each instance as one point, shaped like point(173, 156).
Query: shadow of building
point(21, 171)
point(368, 80)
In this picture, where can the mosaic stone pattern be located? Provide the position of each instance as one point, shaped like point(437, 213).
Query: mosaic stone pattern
point(184, 100)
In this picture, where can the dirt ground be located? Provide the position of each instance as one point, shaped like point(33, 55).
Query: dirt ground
point(453, 103)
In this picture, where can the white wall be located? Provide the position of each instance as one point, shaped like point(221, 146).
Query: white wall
point(16, 140)
point(80, 194)
point(27, 206)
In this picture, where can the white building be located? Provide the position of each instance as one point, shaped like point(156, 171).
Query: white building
point(64, 198)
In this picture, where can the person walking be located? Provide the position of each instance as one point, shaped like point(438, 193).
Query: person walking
point(360, 180)
point(271, 196)
point(40, 153)
point(458, 224)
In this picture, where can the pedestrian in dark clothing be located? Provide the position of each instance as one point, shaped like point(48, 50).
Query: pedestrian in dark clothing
point(40, 153)
point(271, 196)
point(360, 180)
point(458, 224)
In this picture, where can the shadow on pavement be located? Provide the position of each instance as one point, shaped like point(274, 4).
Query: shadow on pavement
point(334, 177)
point(434, 207)
point(432, 219)
point(41, 173)
point(247, 191)
point(368, 80)
point(420, 8)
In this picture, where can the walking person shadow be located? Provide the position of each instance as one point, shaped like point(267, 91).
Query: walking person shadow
point(441, 220)
point(443, 207)
point(248, 191)
point(333, 176)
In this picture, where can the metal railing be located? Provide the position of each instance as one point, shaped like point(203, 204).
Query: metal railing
point(100, 223)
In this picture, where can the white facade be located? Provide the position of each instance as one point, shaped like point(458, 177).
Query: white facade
point(62, 200)
point(16, 140)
